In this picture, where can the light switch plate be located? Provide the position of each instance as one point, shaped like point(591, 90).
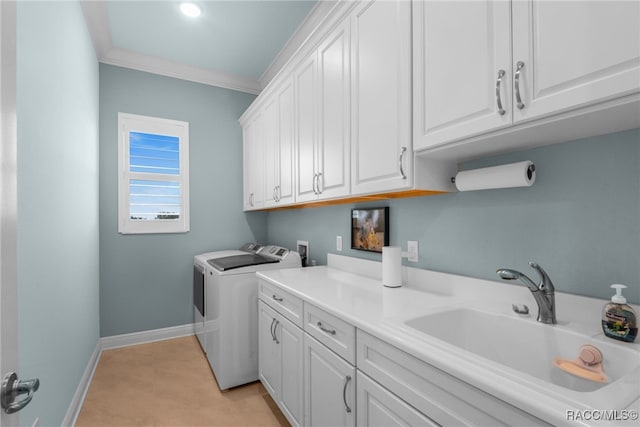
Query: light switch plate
point(339, 243)
point(412, 250)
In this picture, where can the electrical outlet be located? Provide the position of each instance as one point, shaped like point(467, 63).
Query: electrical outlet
point(338, 243)
point(412, 250)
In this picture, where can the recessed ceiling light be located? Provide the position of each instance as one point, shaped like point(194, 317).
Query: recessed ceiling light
point(192, 10)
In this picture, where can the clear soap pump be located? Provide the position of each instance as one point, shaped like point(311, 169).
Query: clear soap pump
point(619, 321)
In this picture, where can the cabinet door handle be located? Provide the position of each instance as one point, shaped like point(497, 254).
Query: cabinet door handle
point(501, 74)
point(278, 193)
point(327, 331)
point(251, 199)
point(273, 193)
point(315, 178)
point(273, 335)
point(319, 177)
point(520, 66)
point(277, 298)
point(275, 328)
point(403, 150)
point(347, 379)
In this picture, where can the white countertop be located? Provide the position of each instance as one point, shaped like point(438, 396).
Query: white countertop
point(380, 311)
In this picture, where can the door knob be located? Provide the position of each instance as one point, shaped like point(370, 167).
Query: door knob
point(12, 388)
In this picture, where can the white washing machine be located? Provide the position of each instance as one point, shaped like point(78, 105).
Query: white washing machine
point(226, 290)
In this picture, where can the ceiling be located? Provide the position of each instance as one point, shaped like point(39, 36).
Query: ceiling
point(235, 44)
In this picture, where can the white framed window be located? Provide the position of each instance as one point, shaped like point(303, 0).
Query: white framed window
point(153, 175)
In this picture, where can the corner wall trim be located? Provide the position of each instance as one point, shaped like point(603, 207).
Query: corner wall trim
point(77, 401)
point(124, 340)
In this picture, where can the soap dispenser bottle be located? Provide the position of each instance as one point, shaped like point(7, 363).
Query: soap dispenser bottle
point(619, 321)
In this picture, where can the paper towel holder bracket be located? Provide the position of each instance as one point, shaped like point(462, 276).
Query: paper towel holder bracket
point(530, 170)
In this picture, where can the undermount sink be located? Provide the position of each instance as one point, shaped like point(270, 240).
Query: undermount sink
point(526, 346)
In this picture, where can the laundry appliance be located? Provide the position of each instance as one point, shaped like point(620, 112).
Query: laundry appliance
point(226, 307)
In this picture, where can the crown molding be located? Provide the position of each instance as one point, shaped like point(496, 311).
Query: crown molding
point(152, 64)
point(95, 13)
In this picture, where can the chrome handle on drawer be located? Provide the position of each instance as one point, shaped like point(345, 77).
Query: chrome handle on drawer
point(403, 150)
point(277, 298)
point(520, 66)
point(501, 74)
point(330, 332)
point(344, 393)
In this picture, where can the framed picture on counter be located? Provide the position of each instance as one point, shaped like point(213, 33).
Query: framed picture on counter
point(370, 229)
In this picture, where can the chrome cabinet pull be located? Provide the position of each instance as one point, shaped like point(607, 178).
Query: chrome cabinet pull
point(273, 335)
point(251, 199)
point(403, 150)
point(320, 190)
point(520, 66)
point(328, 331)
point(501, 74)
point(275, 328)
point(278, 193)
point(277, 298)
point(315, 179)
point(344, 393)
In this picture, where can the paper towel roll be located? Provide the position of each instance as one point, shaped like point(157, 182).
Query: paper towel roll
point(391, 266)
point(521, 174)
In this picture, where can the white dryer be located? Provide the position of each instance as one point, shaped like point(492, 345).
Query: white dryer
point(227, 327)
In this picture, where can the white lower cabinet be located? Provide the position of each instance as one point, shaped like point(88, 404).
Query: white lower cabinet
point(329, 387)
point(377, 406)
point(280, 361)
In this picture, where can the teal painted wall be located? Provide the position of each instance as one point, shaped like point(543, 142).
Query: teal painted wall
point(58, 241)
point(146, 280)
point(580, 220)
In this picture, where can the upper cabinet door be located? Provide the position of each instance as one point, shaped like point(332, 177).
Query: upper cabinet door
point(461, 69)
point(253, 146)
point(381, 147)
point(333, 144)
point(574, 53)
point(305, 130)
point(285, 191)
point(270, 136)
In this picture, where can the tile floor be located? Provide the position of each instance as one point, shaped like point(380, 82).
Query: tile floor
point(169, 383)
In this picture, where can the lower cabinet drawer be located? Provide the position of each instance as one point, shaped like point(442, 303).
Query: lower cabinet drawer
point(377, 406)
point(331, 331)
point(442, 397)
point(281, 301)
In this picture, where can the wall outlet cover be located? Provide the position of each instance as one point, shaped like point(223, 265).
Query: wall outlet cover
point(412, 250)
point(339, 243)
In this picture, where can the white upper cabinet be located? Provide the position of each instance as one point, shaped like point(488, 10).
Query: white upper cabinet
point(481, 66)
point(305, 130)
point(322, 120)
point(253, 167)
point(462, 68)
point(279, 147)
point(381, 149)
point(574, 53)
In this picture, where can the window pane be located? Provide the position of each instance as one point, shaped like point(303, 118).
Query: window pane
point(154, 153)
point(154, 200)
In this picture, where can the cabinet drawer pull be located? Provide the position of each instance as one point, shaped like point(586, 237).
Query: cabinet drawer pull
point(520, 66)
point(501, 74)
point(328, 331)
point(277, 298)
point(344, 393)
point(403, 150)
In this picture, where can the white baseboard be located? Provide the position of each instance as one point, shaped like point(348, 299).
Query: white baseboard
point(77, 401)
point(125, 340)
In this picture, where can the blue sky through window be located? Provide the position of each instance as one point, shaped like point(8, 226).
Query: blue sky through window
point(152, 153)
point(157, 154)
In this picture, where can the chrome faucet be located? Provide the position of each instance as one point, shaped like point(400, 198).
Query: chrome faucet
point(543, 292)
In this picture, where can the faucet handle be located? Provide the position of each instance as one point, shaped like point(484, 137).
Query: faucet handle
point(546, 284)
